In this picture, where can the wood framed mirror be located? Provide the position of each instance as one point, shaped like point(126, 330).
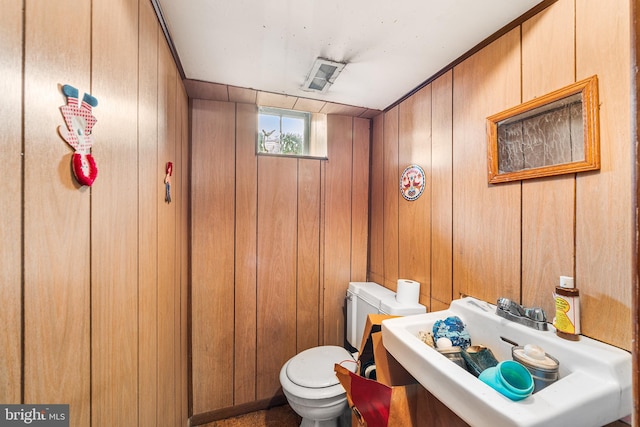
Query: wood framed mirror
point(554, 134)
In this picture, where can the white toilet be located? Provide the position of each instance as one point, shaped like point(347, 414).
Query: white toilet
point(308, 379)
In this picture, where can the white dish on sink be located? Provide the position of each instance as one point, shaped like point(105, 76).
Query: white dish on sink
point(593, 389)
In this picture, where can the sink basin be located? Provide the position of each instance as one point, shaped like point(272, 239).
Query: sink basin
point(593, 389)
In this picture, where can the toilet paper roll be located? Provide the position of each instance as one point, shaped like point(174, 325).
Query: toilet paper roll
point(408, 292)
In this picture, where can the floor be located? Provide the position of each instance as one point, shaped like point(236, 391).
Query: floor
point(279, 416)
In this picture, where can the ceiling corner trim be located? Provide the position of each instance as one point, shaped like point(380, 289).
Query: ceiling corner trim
point(167, 36)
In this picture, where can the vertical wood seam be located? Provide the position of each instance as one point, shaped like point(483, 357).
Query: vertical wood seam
point(22, 209)
point(520, 257)
point(321, 249)
point(235, 244)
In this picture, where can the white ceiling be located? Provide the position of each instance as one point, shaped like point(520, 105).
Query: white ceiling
point(390, 47)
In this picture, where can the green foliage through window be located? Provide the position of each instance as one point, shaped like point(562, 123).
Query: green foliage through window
point(284, 132)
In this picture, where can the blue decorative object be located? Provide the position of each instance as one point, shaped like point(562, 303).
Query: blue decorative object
point(453, 328)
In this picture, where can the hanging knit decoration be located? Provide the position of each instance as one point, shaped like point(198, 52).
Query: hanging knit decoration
point(79, 122)
point(167, 182)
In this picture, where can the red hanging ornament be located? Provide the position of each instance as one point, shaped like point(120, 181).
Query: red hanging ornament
point(84, 168)
point(79, 122)
point(167, 182)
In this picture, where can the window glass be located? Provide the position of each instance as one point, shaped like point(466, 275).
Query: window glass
point(284, 132)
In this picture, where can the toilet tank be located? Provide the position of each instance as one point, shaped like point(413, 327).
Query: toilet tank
point(364, 298)
point(392, 306)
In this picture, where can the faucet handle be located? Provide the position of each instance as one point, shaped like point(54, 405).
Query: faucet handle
point(536, 313)
point(511, 306)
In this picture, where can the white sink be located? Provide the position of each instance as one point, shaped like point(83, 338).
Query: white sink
point(593, 389)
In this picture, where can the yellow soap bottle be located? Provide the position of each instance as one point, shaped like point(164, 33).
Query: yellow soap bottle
point(567, 320)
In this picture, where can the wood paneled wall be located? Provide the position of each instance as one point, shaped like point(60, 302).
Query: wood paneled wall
point(94, 279)
point(391, 198)
point(11, 201)
point(441, 244)
point(212, 244)
point(516, 239)
point(148, 118)
point(486, 219)
point(56, 216)
point(277, 255)
point(197, 89)
point(275, 242)
point(414, 147)
point(548, 212)
point(603, 269)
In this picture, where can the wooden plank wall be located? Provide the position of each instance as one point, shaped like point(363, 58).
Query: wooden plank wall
point(95, 279)
point(246, 240)
point(277, 268)
point(375, 267)
point(486, 219)
point(547, 204)
point(391, 198)
point(11, 31)
point(441, 193)
point(183, 253)
point(212, 243)
point(57, 215)
point(359, 204)
point(272, 256)
point(309, 210)
point(147, 217)
point(168, 359)
point(114, 313)
point(603, 269)
point(338, 187)
point(516, 239)
point(414, 147)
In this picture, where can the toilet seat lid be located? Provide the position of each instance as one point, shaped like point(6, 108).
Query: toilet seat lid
point(314, 368)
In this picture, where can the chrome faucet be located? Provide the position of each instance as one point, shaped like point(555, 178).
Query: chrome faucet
point(532, 317)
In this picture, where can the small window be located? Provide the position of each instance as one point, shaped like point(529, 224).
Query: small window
point(283, 132)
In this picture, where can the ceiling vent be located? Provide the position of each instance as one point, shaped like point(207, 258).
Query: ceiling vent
point(322, 75)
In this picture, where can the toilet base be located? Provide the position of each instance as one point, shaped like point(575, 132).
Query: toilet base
point(344, 420)
point(314, 423)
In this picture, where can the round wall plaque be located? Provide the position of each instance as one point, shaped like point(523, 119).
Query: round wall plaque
point(412, 182)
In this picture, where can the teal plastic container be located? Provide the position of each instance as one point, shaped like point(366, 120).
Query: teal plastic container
point(510, 378)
